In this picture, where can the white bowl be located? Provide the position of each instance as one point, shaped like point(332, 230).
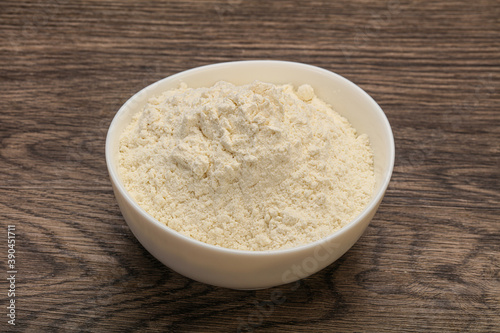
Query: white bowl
point(246, 269)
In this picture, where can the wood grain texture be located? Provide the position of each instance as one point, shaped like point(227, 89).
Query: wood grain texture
point(429, 261)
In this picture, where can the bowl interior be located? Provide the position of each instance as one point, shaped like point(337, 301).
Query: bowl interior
point(345, 97)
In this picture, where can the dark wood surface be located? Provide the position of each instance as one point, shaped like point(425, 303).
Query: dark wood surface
point(430, 259)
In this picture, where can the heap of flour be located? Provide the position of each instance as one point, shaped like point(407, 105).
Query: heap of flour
point(252, 167)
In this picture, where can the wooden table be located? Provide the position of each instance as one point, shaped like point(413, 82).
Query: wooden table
point(430, 259)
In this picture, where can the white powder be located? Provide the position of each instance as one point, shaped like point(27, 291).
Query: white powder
point(253, 167)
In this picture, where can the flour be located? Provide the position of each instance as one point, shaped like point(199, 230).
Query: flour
point(253, 167)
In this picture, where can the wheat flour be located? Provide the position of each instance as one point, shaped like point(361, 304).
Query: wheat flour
point(252, 167)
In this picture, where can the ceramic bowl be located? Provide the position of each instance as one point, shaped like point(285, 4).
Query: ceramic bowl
point(247, 269)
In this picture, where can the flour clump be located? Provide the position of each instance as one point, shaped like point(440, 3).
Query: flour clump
point(252, 167)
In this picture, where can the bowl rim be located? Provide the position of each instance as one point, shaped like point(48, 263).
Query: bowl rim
point(375, 200)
